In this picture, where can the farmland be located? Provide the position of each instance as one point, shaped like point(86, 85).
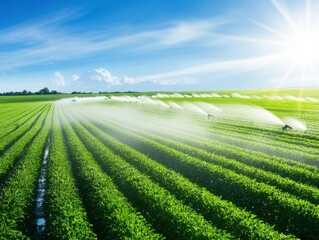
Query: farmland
point(161, 167)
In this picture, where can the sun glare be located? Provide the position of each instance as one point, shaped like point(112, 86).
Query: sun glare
point(297, 45)
point(304, 47)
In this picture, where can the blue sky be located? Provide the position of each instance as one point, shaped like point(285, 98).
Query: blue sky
point(180, 45)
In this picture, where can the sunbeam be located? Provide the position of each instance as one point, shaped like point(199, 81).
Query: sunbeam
point(285, 14)
point(285, 77)
point(308, 15)
point(253, 40)
point(267, 28)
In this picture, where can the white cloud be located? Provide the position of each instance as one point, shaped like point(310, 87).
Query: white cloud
point(75, 77)
point(128, 80)
point(103, 75)
point(184, 32)
point(59, 79)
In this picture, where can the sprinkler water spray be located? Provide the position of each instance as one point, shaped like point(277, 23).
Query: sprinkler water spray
point(296, 124)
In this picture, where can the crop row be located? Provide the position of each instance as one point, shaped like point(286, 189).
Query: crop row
point(112, 215)
point(167, 214)
point(287, 212)
point(236, 139)
point(284, 167)
point(294, 154)
point(17, 194)
point(300, 190)
point(222, 213)
point(293, 138)
point(6, 115)
point(18, 112)
point(278, 141)
point(269, 137)
point(24, 126)
point(13, 112)
point(220, 126)
point(287, 168)
point(65, 215)
point(16, 121)
point(281, 149)
point(8, 159)
point(4, 110)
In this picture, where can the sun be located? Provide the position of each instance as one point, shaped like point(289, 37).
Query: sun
point(297, 45)
point(303, 47)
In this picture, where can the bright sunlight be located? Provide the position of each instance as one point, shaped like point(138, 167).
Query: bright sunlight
point(304, 47)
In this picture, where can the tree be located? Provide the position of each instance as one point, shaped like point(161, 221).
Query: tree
point(44, 91)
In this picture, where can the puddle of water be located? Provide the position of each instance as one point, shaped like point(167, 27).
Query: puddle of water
point(39, 211)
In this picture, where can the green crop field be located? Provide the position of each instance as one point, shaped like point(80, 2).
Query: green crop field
point(162, 166)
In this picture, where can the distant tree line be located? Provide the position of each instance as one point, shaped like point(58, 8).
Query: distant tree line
point(46, 90)
point(42, 91)
point(75, 92)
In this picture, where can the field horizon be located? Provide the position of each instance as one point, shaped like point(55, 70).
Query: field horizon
point(297, 92)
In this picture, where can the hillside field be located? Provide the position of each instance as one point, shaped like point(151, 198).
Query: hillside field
point(160, 166)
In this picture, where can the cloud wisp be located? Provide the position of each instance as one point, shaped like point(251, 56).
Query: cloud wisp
point(216, 66)
point(103, 75)
point(58, 79)
point(75, 77)
point(49, 40)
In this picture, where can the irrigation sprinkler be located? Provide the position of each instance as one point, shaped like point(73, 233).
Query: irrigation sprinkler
point(209, 116)
point(286, 127)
